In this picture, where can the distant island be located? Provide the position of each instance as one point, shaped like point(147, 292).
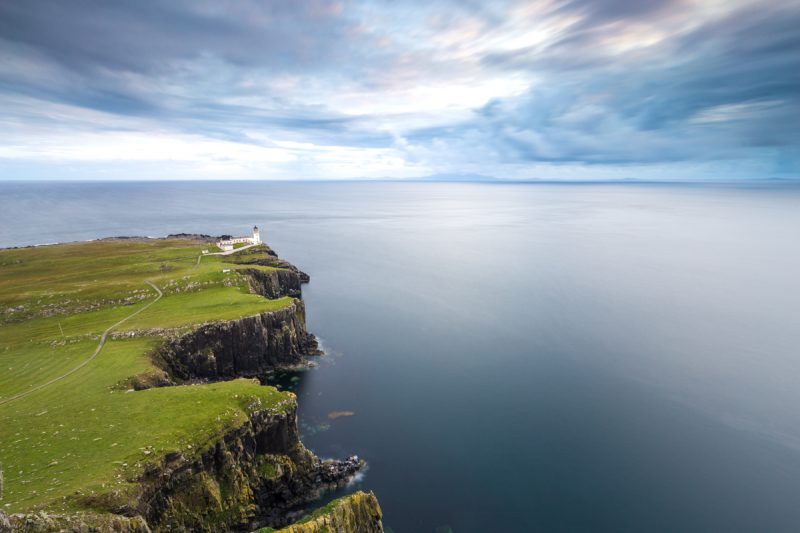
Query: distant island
point(127, 393)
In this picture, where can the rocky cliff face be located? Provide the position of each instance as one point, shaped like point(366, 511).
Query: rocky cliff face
point(257, 473)
point(251, 477)
point(357, 513)
point(263, 255)
point(275, 283)
point(239, 348)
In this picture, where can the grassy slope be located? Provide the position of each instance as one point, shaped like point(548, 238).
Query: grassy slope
point(83, 432)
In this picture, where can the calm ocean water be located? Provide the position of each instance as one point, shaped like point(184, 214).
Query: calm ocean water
point(521, 357)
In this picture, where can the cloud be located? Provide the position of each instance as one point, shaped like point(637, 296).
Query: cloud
point(321, 89)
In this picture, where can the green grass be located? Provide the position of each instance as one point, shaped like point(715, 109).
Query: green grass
point(262, 268)
point(216, 303)
point(84, 433)
point(24, 367)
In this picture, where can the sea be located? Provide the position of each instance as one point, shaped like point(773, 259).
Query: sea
point(606, 357)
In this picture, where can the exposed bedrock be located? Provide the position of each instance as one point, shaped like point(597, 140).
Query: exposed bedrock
point(263, 255)
point(356, 513)
point(250, 478)
point(275, 283)
point(240, 348)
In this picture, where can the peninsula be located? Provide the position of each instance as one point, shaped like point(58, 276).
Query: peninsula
point(127, 392)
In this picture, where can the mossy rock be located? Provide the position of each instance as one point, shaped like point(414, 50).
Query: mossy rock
point(356, 513)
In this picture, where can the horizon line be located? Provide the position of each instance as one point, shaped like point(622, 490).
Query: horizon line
point(486, 180)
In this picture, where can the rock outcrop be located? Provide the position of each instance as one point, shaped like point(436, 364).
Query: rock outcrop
point(239, 348)
point(356, 513)
point(248, 479)
point(5, 524)
point(275, 283)
point(263, 255)
point(251, 477)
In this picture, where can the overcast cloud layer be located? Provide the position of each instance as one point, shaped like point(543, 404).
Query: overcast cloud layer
point(576, 89)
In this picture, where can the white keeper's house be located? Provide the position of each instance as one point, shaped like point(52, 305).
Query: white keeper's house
point(227, 244)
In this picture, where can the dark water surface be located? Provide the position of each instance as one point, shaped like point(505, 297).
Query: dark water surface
point(521, 357)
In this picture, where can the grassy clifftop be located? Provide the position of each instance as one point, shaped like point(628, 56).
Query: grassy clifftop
point(88, 434)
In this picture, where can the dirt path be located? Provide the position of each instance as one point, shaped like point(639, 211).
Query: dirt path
point(89, 360)
point(229, 252)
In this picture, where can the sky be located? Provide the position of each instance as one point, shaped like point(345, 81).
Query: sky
point(436, 89)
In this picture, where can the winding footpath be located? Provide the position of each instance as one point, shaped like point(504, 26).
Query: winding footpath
point(89, 360)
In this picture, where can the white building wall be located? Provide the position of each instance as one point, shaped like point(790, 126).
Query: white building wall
point(227, 244)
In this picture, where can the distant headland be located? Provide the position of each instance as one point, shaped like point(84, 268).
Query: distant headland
point(143, 414)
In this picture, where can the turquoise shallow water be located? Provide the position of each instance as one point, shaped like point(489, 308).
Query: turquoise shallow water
point(521, 357)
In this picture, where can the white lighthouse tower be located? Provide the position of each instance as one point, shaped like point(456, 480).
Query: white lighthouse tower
point(256, 235)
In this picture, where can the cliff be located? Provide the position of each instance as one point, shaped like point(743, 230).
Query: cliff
point(257, 473)
point(275, 283)
point(254, 472)
point(263, 255)
point(251, 477)
point(240, 348)
point(356, 513)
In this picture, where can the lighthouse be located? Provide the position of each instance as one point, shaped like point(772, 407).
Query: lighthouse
point(256, 235)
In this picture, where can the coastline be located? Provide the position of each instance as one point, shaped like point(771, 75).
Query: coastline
point(267, 469)
point(116, 238)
